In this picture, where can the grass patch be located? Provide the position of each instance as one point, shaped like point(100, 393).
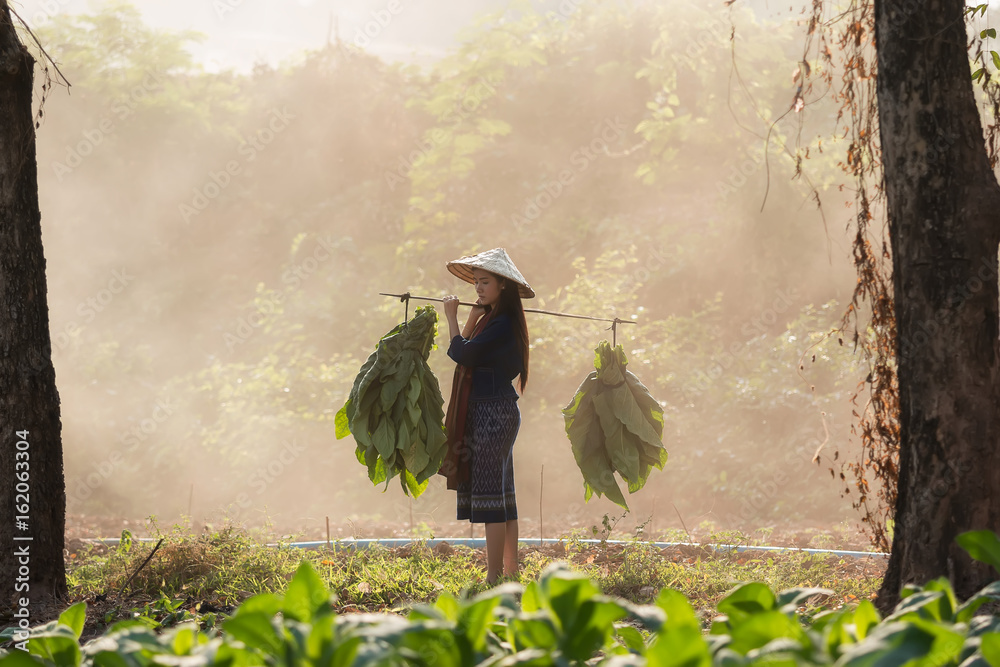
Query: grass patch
point(194, 577)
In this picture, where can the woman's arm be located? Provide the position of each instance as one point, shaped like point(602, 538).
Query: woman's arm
point(469, 352)
point(451, 313)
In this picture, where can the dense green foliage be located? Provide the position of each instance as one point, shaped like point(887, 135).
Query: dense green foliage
point(395, 409)
point(560, 619)
point(615, 427)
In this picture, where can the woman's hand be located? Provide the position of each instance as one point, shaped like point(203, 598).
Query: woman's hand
point(451, 306)
point(477, 311)
point(451, 314)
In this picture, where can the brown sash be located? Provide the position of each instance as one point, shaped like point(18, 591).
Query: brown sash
point(455, 466)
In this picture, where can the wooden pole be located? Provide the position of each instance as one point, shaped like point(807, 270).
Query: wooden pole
point(541, 518)
point(614, 320)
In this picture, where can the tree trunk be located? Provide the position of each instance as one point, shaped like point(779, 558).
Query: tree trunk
point(943, 203)
point(32, 505)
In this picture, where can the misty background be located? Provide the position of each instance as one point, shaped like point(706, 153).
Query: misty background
point(228, 185)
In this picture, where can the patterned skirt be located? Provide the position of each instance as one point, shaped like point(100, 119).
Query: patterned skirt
point(490, 428)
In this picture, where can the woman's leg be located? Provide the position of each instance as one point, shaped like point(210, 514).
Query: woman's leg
point(510, 549)
point(495, 540)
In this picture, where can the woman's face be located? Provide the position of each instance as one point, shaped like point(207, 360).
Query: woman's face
point(487, 287)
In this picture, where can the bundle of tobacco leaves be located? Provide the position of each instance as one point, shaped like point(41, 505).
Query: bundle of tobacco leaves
point(395, 409)
point(614, 426)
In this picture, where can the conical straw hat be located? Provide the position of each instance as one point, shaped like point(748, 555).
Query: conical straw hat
point(495, 261)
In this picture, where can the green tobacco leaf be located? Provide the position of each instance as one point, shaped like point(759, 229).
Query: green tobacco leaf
point(865, 618)
point(748, 599)
point(384, 439)
point(983, 545)
point(610, 364)
point(475, 620)
point(533, 630)
point(306, 594)
point(254, 629)
point(395, 409)
point(411, 485)
point(18, 658)
point(792, 598)
point(630, 638)
point(628, 412)
point(75, 617)
point(564, 590)
point(341, 422)
point(760, 629)
point(587, 440)
point(651, 408)
point(622, 450)
point(58, 644)
point(890, 643)
point(592, 628)
point(990, 648)
point(684, 646)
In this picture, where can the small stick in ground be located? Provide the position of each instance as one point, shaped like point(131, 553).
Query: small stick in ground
point(541, 519)
point(682, 522)
point(139, 569)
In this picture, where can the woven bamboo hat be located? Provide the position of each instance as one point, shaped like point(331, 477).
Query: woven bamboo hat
point(495, 261)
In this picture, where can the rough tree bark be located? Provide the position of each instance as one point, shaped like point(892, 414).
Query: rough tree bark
point(29, 402)
point(943, 207)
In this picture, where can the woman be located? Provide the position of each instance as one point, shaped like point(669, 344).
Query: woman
point(483, 418)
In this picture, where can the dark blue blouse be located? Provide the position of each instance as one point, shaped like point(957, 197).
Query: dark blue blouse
point(494, 358)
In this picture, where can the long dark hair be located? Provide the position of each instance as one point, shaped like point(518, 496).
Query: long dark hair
point(510, 303)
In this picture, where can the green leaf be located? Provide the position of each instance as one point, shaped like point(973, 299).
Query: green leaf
point(968, 609)
point(383, 438)
point(58, 644)
point(341, 422)
point(256, 630)
point(680, 613)
point(990, 648)
point(627, 410)
point(891, 643)
point(680, 647)
point(759, 629)
point(533, 630)
point(185, 639)
point(75, 617)
point(982, 545)
point(592, 627)
point(306, 594)
point(748, 599)
point(630, 637)
point(566, 591)
point(865, 618)
point(476, 619)
point(18, 658)
point(927, 604)
point(622, 450)
point(996, 59)
point(587, 439)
